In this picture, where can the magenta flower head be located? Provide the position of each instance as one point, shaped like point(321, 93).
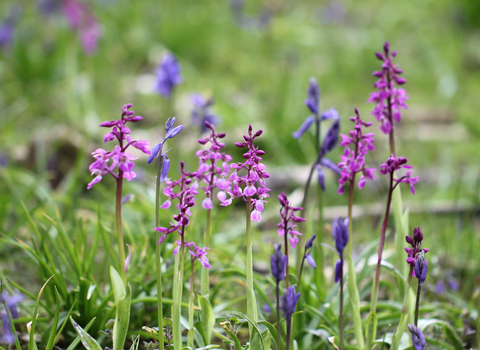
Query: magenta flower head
point(289, 302)
point(287, 225)
point(389, 99)
point(415, 249)
point(213, 169)
point(418, 339)
point(353, 161)
point(421, 268)
point(202, 113)
point(278, 263)
point(394, 164)
point(168, 75)
point(253, 179)
point(313, 104)
point(82, 20)
point(184, 190)
point(195, 253)
point(107, 162)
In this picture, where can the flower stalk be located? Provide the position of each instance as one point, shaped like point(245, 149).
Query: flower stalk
point(158, 253)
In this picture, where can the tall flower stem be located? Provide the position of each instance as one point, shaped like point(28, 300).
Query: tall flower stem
point(341, 303)
point(279, 326)
point(402, 324)
point(118, 219)
point(417, 304)
point(372, 318)
point(251, 303)
point(285, 236)
point(289, 334)
point(177, 330)
point(205, 274)
point(351, 277)
point(190, 306)
point(158, 253)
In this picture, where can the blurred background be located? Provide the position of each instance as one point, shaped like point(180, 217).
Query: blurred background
point(59, 81)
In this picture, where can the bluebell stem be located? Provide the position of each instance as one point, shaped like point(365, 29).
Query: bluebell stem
point(418, 339)
point(289, 303)
point(201, 112)
point(340, 235)
point(421, 268)
point(168, 75)
point(308, 257)
point(278, 263)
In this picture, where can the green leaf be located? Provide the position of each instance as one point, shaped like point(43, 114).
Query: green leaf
point(75, 342)
point(31, 342)
point(253, 325)
point(273, 332)
point(51, 338)
point(449, 330)
point(122, 313)
point(87, 340)
point(208, 317)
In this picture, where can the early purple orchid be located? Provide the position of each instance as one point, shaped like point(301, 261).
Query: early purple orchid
point(106, 162)
point(353, 161)
point(389, 99)
point(213, 175)
point(415, 249)
point(195, 252)
point(287, 225)
point(255, 174)
point(396, 163)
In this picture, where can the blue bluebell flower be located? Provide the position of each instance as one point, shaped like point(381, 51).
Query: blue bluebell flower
point(168, 75)
point(202, 113)
point(418, 339)
point(278, 263)
point(289, 302)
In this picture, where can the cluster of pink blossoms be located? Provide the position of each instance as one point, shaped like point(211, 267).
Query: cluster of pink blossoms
point(187, 189)
point(106, 162)
point(255, 174)
point(393, 164)
point(287, 225)
point(209, 172)
point(388, 99)
point(353, 161)
point(195, 252)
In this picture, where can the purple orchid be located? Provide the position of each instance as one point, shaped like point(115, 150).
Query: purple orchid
point(394, 164)
point(213, 175)
point(187, 189)
point(353, 161)
point(168, 75)
point(287, 225)
point(106, 162)
point(389, 99)
point(255, 174)
point(201, 113)
point(415, 249)
point(195, 252)
point(83, 21)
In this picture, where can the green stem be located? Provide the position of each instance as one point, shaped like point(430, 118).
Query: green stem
point(177, 330)
point(190, 307)
point(279, 326)
point(417, 304)
point(158, 253)
point(341, 304)
point(351, 277)
point(401, 325)
point(205, 274)
point(251, 302)
point(118, 219)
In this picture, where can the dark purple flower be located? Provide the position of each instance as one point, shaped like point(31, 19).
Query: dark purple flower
point(201, 112)
point(168, 75)
point(353, 161)
point(394, 164)
point(389, 99)
point(415, 249)
point(313, 96)
point(289, 302)
point(340, 234)
point(329, 143)
point(287, 225)
point(278, 263)
point(418, 339)
point(255, 173)
point(308, 250)
point(106, 162)
point(421, 268)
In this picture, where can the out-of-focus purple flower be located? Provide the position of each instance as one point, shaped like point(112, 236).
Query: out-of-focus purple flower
point(202, 113)
point(83, 21)
point(313, 96)
point(308, 250)
point(106, 162)
point(453, 284)
point(329, 143)
point(48, 7)
point(255, 173)
point(266, 309)
point(440, 287)
point(6, 34)
point(195, 252)
point(287, 225)
point(389, 99)
point(127, 260)
point(353, 162)
point(187, 189)
point(396, 163)
point(168, 75)
point(6, 335)
point(340, 235)
point(289, 302)
point(12, 302)
point(421, 268)
point(278, 263)
point(415, 249)
point(418, 339)
point(212, 174)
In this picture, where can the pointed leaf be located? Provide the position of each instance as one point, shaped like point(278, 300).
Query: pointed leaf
point(87, 340)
